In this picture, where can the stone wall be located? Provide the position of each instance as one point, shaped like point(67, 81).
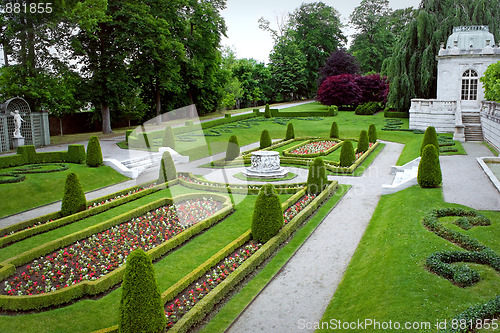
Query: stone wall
point(490, 121)
point(430, 112)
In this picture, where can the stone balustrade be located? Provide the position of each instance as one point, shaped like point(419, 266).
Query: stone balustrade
point(490, 122)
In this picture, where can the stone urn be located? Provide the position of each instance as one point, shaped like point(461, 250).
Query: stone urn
point(265, 164)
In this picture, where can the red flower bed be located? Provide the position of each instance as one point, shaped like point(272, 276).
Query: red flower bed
point(358, 155)
point(314, 147)
point(96, 256)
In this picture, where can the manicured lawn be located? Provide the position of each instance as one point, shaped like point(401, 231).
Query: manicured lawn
point(44, 188)
point(386, 279)
point(89, 315)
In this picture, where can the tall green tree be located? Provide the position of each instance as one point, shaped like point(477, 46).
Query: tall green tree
point(412, 68)
point(317, 30)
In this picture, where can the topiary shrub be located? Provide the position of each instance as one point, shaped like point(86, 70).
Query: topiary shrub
point(363, 144)
point(267, 112)
point(74, 200)
point(316, 178)
point(347, 156)
point(290, 132)
point(368, 109)
point(334, 130)
point(168, 139)
point(429, 170)
point(167, 168)
point(233, 148)
point(430, 137)
point(265, 139)
point(372, 133)
point(267, 216)
point(76, 154)
point(141, 307)
point(127, 134)
point(94, 154)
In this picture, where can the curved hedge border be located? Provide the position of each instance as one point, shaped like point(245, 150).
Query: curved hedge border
point(287, 152)
point(13, 178)
point(32, 168)
point(235, 188)
point(441, 262)
point(58, 221)
point(64, 295)
point(207, 303)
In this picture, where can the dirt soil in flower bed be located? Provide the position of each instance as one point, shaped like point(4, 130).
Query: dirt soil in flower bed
point(91, 258)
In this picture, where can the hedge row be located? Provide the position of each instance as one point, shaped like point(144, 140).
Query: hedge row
point(287, 152)
point(205, 305)
point(234, 188)
point(332, 111)
point(396, 114)
point(59, 221)
point(475, 313)
point(64, 295)
point(28, 155)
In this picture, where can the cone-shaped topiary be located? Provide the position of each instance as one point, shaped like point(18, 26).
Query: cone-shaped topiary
point(334, 130)
point(74, 198)
point(362, 142)
point(141, 307)
point(168, 139)
point(94, 153)
point(347, 156)
point(267, 112)
point(290, 132)
point(316, 178)
point(430, 137)
point(429, 170)
point(267, 214)
point(233, 148)
point(265, 139)
point(167, 168)
point(372, 133)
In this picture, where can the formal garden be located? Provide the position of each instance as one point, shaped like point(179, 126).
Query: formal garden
point(211, 246)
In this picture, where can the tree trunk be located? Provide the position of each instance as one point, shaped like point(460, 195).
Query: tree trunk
point(5, 55)
point(158, 105)
point(61, 125)
point(106, 119)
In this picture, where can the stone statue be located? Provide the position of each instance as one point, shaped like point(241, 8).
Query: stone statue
point(17, 123)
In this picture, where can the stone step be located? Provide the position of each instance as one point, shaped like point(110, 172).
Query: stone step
point(468, 119)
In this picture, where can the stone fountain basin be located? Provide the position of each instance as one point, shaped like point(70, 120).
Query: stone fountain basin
point(265, 164)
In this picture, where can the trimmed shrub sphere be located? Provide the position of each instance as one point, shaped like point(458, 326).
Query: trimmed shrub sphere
point(363, 142)
point(429, 170)
point(290, 132)
point(347, 156)
point(233, 148)
point(141, 307)
point(334, 130)
point(372, 133)
point(265, 139)
point(317, 177)
point(74, 198)
point(430, 137)
point(168, 139)
point(94, 153)
point(267, 214)
point(167, 168)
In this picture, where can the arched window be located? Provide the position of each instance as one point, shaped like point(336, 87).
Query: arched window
point(469, 85)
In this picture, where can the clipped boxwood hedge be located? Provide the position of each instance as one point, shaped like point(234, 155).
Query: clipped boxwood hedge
point(28, 155)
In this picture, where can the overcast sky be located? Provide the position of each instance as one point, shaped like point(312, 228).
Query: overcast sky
point(245, 37)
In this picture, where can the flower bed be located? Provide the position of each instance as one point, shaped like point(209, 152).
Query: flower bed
point(101, 253)
point(187, 299)
point(314, 147)
point(358, 155)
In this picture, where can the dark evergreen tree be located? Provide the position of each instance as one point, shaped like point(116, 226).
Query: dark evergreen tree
point(94, 153)
point(267, 217)
point(317, 176)
point(372, 133)
point(430, 137)
point(265, 139)
point(168, 139)
point(141, 307)
point(363, 142)
point(267, 112)
point(233, 148)
point(167, 168)
point(347, 156)
point(334, 130)
point(429, 169)
point(74, 198)
point(290, 132)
